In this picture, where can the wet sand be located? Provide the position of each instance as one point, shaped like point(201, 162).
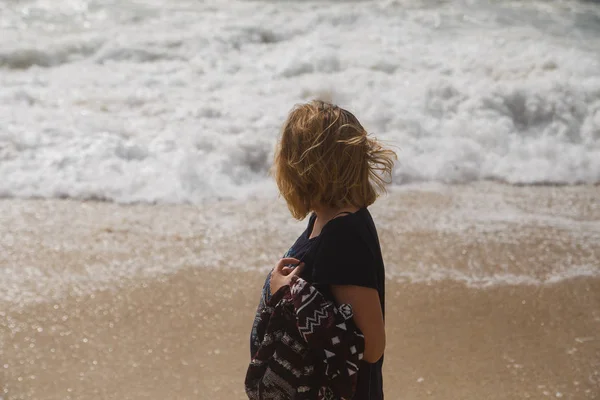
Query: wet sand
point(98, 325)
point(186, 336)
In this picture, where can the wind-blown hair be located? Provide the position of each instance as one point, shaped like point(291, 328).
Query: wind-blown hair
point(326, 158)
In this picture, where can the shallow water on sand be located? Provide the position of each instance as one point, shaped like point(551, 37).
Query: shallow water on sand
point(479, 234)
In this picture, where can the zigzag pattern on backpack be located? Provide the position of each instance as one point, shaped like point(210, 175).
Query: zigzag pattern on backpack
point(312, 323)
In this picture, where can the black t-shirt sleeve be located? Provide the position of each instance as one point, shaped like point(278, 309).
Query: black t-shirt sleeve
point(344, 258)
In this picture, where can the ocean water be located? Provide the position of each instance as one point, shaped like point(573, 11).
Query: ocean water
point(182, 101)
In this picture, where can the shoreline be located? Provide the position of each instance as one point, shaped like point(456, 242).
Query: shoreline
point(481, 234)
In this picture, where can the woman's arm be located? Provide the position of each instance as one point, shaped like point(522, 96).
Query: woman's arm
point(368, 316)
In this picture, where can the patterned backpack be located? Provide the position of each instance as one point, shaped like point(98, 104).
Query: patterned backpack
point(310, 348)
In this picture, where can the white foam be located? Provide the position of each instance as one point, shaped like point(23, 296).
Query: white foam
point(183, 101)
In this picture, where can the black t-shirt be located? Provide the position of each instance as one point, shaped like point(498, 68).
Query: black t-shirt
point(347, 252)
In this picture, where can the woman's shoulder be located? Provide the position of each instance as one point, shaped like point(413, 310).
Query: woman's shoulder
point(351, 223)
point(354, 234)
point(349, 230)
point(347, 254)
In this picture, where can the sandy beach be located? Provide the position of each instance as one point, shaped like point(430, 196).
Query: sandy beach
point(109, 301)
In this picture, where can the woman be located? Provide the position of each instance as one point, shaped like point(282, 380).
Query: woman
point(327, 166)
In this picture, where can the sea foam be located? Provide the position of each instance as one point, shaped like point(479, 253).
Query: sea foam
point(184, 101)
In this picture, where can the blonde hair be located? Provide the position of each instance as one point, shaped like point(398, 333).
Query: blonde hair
point(325, 157)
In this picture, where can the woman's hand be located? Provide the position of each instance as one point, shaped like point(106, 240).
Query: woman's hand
point(281, 275)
